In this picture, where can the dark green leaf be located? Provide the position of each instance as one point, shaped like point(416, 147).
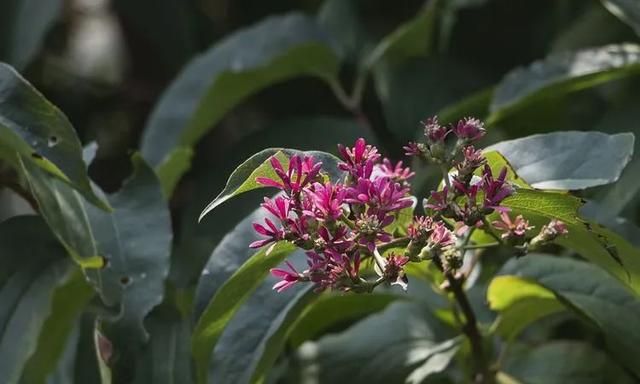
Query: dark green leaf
point(562, 73)
point(231, 295)
point(626, 10)
point(34, 131)
point(274, 50)
point(23, 27)
point(412, 338)
point(341, 21)
point(166, 357)
point(411, 39)
point(243, 179)
point(599, 298)
point(568, 160)
point(419, 88)
point(35, 274)
point(133, 242)
point(564, 362)
point(601, 246)
point(330, 310)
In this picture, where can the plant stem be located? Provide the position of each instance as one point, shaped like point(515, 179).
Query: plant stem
point(470, 329)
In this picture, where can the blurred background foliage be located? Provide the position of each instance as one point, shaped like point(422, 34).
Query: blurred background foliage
point(111, 65)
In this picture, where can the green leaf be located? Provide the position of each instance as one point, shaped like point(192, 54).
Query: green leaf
point(626, 10)
point(599, 245)
point(132, 243)
point(564, 362)
point(421, 87)
point(330, 310)
point(520, 303)
point(568, 160)
point(165, 359)
point(271, 344)
point(340, 20)
point(562, 73)
point(590, 292)
point(35, 274)
point(197, 239)
point(68, 302)
point(383, 348)
point(274, 50)
point(231, 294)
point(411, 39)
point(34, 131)
point(243, 179)
point(23, 27)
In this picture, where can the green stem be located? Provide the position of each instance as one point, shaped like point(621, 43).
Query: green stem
point(482, 374)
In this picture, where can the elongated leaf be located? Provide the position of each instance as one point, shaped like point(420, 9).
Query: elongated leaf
point(413, 38)
point(564, 362)
point(366, 354)
point(34, 130)
point(274, 50)
point(23, 28)
point(599, 298)
point(166, 357)
point(35, 272)
point(330, 310)
point(563, 73)
point(520, 303)
point(601, 246)
point(568, 160)
point(68, 302)
point(229, 297)
point(340, 19)
point(132, 243)
point(626, 10)
point(243, 179)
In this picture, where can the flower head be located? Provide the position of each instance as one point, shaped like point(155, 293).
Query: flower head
point(512, 229)
point(396, 173)
point(469, 129)
point(301, 171)
point(394, 270)
point(288, 277)
point(359, 160)
point(495, 190)
point(434, 131)
point(325, 201)
point(272, 232)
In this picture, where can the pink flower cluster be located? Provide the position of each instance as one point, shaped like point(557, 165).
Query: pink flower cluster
point(339, 224)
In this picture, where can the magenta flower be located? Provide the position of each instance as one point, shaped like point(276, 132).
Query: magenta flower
point(326, 201)
point(434, 131)
point(301, 171)
point(495, 190)
point(472, 159)
point(279, 207)
point(382, 194)
point(394, 270)
point(420, 227)
point(469, 129)
point(439, 200)
point(359, 160)
point(414, 149)
point(515, 228)
point(441, 236)
point(288, 277)
point(371, 229)
point(397, 173)
point(271, 231)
